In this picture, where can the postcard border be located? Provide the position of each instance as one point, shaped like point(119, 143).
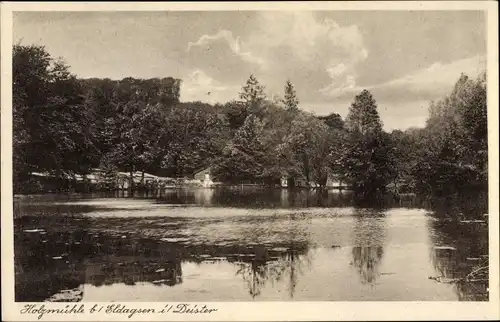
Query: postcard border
point(265, 311)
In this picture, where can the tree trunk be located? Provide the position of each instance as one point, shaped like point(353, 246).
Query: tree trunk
point(306, 167)
point(131, 183)
point(59, 180)
point(143, 186)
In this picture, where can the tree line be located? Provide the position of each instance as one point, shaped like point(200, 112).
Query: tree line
point(66, 125)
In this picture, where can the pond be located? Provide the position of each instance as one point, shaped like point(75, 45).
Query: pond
point(243, 244)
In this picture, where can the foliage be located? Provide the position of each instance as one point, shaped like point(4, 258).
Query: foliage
point(67, 126)
point(367, 156)
point(363, 115)
point(252, 96)
point(51, 128)
point(193, 135)
point(291, 102)
point(244, 157)
point(64, 125)
point(308, 145)
point(333, 121)
point(404, 155)
point(235, 114)
point(454, 156)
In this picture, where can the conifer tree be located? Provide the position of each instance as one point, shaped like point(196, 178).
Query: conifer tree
point(253, 96)
point(363, 116)
point(367, 157)
point(291, 102)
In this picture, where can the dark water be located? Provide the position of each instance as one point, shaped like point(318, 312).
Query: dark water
point(245, 244)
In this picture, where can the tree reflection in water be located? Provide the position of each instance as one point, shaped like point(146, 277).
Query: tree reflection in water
point(134, 261)
point(273, 261)
point(367, 262)
point(266, 197)
point(369, 236)
point(57, 248)
point(460, 247)
point(257, 197)
point(273, 266)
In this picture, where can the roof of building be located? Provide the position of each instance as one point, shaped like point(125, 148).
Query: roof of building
point(201, 170)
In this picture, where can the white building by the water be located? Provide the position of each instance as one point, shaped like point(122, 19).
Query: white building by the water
point(205, 177)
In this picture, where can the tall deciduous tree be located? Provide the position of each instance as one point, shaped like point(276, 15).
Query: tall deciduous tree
point(453, 160)
point(333, 121)
point(235, 114)
point(244, 158)
point(129, 119)
point(52, 131)
point(193, 136)
point(307, 148)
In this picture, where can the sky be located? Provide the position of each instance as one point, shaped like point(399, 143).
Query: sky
point(405, 58)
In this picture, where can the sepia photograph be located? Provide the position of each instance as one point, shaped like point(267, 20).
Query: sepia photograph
point(209, 156)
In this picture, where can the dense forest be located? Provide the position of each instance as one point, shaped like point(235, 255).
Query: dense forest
point(63, 124)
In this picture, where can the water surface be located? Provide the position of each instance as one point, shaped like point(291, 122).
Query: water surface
point(242, 244)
